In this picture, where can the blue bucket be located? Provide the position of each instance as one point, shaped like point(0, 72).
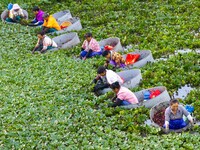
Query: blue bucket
point(189, 108)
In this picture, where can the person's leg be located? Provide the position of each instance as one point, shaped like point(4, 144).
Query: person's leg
point(49, 47)
point(9, 20)
point(83, 53)
point(40, 23)
point(95, 54)
point(124, 102)
point(51, 30)
point(176, 124)
point(34, 21)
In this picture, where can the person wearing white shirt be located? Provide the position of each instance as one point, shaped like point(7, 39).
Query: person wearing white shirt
point(44, 43)
point(107, 77)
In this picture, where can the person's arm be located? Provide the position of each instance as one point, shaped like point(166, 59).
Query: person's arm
point(117, 102)
point(114, 98)
point(187, 114)
point(88, 53)
point(167, 118)
point(37, 44)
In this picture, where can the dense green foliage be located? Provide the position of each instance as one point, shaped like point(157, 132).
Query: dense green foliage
point(46, 100)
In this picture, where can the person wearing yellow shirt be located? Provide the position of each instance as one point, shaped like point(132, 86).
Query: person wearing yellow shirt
point(50, 24)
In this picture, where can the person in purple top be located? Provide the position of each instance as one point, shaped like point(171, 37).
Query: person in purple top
point(38, 20)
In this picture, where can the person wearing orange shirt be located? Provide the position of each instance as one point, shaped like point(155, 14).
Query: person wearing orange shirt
point(50, 24)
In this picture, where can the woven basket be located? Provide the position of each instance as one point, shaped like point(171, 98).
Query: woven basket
point(114, 41)
point(62, 15)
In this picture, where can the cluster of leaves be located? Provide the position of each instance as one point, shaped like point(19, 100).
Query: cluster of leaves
point(46, 100)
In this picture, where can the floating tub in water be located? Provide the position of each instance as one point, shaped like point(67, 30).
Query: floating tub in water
point(131, 79)
point(62, 15)
point(114, 41)
point(76, 25)
point(162, 97)
point(4, 15)
point(65, 41)
point(145, 57)
point(160, 106)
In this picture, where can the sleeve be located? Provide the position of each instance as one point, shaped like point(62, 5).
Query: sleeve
point(50, 22)
point(120, 96)
point(117, 102)
point(45, 44)
point(111, 76)
point(84, 44)
point(37, 44)
point(45, 23)
point(190, 118)
point(21, 13)
point(185, 112)
point(167, 118)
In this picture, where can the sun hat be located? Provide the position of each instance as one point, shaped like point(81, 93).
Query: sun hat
point(16, 6)
point(10, 6)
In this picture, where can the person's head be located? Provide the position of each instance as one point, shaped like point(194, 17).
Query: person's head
point(41, 34)
point(174, 104)
point(16, 7)
point(106, 54)
point(115, 87)
point(101, 71)
point(10, 6)
point(88, 36)
point(35, 10)
point(45, 16)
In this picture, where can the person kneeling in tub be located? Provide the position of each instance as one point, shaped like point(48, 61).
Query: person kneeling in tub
point(123, 95)
point(174, 116)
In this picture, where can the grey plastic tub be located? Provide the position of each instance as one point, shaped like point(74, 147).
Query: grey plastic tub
point(113, 41)
point(157, 108)
point(145, 57)
point(65, 41)
point(76, 25)
point(4, 15)
point(131, 78)
point(62, 15)
point(164, 96)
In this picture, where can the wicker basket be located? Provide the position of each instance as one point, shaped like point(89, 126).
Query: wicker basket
point(114, 41)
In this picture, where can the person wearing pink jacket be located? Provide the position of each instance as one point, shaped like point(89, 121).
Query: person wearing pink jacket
point(90, 47)
point(123, 95)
